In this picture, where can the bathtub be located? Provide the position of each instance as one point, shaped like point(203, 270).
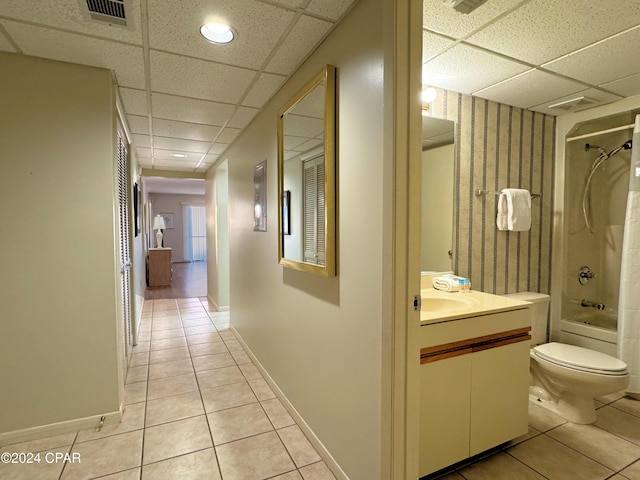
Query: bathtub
point(594, 330)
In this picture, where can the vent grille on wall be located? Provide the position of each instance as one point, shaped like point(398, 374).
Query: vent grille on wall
point(109, 11)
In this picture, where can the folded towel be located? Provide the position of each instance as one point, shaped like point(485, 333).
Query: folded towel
point(514, 210)
point(447, 283)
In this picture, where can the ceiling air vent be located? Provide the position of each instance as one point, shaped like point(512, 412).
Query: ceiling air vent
point(575, 104)
point(108, 11)
point(464, 6)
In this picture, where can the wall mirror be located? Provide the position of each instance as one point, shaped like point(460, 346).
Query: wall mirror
point(306, 177)
point(438, 176)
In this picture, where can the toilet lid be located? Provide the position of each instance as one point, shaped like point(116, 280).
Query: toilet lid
point(580, 358)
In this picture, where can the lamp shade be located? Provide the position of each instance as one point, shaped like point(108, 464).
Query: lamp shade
point(158, 223)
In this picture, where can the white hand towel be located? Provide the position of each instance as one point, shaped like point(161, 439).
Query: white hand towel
point(447, 283)
point(518, 209)
point(501, 217)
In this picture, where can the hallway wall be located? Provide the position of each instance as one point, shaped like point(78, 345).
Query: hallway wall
point(58, 347)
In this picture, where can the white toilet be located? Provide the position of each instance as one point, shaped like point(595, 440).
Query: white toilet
point(566, 378)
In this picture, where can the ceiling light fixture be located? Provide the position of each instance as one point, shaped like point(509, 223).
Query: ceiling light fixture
point(178, 155)
point(218, 33)
point(427, 96)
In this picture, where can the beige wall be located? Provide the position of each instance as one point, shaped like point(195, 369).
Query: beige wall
point(217, 196)
point(320, 339)
point(498, 146)
point(58, 347)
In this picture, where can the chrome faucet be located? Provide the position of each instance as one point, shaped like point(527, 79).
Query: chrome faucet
point(588, 303)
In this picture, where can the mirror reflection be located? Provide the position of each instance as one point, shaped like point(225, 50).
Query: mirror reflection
point(306, 160)
point(438, 175)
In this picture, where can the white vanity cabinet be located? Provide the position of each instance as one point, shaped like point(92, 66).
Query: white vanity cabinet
point(474, 376)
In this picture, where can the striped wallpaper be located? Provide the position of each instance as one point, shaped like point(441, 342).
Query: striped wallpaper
point(498, 146)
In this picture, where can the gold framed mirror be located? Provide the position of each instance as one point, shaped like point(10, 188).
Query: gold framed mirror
point(306, 177)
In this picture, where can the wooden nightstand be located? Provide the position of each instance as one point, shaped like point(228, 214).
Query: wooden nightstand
point(159, 267)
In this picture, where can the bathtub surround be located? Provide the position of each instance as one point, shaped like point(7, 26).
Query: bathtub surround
point(497, 147)
point(629, 303)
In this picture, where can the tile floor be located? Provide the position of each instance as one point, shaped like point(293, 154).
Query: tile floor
point(558, 450)
point(196, 408)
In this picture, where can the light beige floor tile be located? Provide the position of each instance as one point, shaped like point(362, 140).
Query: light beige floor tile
point(196, 315)
point(628, 405)
point(606, 399)
point(453, 476)
point(250, 371)
point(137, 374)
point(241, 357)
point(619, 423)
point(176, 438)
point(133, 474)
point(207, 337)
point(43, 467)
point(238, 422)
point(194, 322)
point(169, 355)
point(198, 329)
point(200, 465)
point(192, 308)
point(168, 343)
point(169, 333)
point(557, 461)
point(105, 456)
point(261, 389)
point(41, 444)
point(289, 476)
point(542, 419)
point(603, 447)
point(298, 446)
point(219, 377)
point(632, 472)
point(317, 471)
point(207, 349)
point(499, 466)
point(261, 456)
point(532, 432)
point(141, 347)
point(276, 412)
point(209, 362)
point(227, 396)
point(163, 325)
point(175, 407)
point(139, 359)
point(228, 335)
point(170, 369)
point(132, 419)
point(234, 346)
point(165, 387)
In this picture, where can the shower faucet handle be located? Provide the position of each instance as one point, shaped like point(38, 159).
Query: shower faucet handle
point(585, 274)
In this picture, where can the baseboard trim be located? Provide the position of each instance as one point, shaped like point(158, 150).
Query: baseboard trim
point(43, 431)
point(224, 308)
point(306, 429)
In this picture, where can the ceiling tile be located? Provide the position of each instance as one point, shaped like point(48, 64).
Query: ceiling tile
point(168, 155)
point(180, 145)
point(439, 17)
point(143, 152)
point(466, 69)
point(332, 9)
point(306, 33)
point(141, 140)
point(175, 165)
point(190, 131)
point(134, 101)
point(228, 135)
point(531, 88)
point(218, 148)
point(138, 124)
point(190, 110)
point(604, 62)
point(210, 158)
point(286, 3)
point(300, 126)
point(195, 78)
point(263, 89)
point(549, 29)
point(145, 162)
point(242, 117)
point(591, 94)
point(626, 87)
point(126, 60)
point(432, 44)
point(68, 15)
point(174, 28)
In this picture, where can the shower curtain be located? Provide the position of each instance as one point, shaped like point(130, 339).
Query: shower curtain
point(629, 298)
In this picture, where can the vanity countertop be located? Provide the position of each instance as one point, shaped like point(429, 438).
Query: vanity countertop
point(448, 306)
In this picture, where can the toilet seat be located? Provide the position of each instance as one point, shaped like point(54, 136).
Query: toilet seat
point(581, 359)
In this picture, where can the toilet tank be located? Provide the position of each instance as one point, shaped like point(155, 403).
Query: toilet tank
point(539, 314)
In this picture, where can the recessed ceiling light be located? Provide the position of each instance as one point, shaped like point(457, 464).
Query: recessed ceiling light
point(178, 155)
point(217, 32)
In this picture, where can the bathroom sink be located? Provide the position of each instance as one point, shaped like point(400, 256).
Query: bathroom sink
point(447, 302)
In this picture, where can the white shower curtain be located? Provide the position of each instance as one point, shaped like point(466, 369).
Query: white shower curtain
point(629, 299)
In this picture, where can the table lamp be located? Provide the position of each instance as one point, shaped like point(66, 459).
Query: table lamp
point(158, 224)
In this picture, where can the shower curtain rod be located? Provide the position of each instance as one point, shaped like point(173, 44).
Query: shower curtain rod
point(600, 132)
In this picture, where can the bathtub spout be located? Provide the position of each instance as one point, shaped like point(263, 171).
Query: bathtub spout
point(588, 303)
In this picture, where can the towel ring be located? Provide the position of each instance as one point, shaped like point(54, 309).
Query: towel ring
point(480, 193)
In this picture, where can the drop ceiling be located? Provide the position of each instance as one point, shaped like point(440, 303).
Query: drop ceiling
point(535, 53)
point(182, 95)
